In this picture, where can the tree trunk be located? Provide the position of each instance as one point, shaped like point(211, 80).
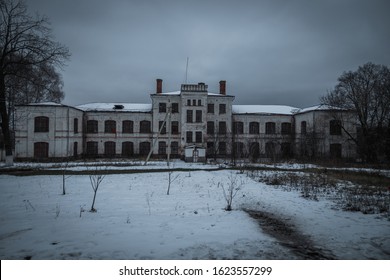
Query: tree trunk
point(5, 123)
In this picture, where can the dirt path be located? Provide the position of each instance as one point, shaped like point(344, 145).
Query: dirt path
point(288, 236)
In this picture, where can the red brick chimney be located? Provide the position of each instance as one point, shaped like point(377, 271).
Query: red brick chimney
point(159, 86)
point(222, 87)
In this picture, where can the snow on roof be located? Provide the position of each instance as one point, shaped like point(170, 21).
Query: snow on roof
point(46, 104)
point(320, 107)
point(179, 92)
point(127, 107)
point(264, 109)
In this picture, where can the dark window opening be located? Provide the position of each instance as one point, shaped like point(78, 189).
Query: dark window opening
point(270, 128)
point(144, 127)
point(92, 126)
point(286, 128)
point(109, 148)
point(110, 126)
point(162, 107)
point(127, 127)
point(41, 150)
point(76, 125)
point(127, 149)
point(92, 148)
point(254, 128)
point(41, 124)
point(210, 108)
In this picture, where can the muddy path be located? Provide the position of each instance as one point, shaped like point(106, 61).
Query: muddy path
point(288, 236)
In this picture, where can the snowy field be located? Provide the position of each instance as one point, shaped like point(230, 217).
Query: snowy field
point(136, 219)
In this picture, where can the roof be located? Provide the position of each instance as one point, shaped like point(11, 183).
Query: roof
point(179, 92)
point(264, 109)
point(127, 107)
point(46, 104)
point(320, 107)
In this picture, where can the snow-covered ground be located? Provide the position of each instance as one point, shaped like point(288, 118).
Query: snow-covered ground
point(136, 219)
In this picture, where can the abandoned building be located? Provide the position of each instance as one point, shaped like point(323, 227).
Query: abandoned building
point(191, 123)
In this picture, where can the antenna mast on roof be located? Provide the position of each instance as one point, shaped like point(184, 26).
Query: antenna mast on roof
point(187, 70)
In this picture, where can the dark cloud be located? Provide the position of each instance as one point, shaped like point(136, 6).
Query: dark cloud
point(270, 52)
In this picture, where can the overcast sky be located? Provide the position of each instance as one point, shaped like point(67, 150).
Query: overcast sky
point(269, 52)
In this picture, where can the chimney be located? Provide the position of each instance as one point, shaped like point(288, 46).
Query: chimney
point(159, 86)
point(222, 87)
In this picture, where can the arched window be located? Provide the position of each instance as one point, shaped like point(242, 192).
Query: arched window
point(109, 148)
point(127, 149)
point(92, 148)
point(303, 127)
point(127, 127)
point(254, 128)
point(286, 128)
point(92, 126)
point(270, 128)
point(144, 148)
point(144, 127)
point(41, 150)
point(110, 126)
point(41, 124)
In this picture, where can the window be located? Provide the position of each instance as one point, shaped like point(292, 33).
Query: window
point(198, 137)
point(194, 102)
point(189, 116)
point(75, 125)
point(188, 102)
point(210, 148)
point(222, 148)
point(110, 126)
point(222, 128)
point(144, 127)
point(254, 150)
point(254, 128)
point(335, 151)
point(164, 128)
point(75, 149)
point(92, 126)
point(127, 149)
point(270, 128)
point(335, 127)
point(239, 149)
point(175, 127)
point(162, 148)
point(199, 102)
point(162, 107)
point(210, 127)
point(175, 148)
point(127, 127)
point(144, 148)
point(109, 148)
point(175, 107)
point(92, 148)
point(41, 150)
point(238, 128)
point(189, 136)
point(303, 128)
point(222, 109)
point(198, 117)
point(286, 150)
point(41, 124)
point(210, 108)
point(270, 150)
point(286, 128)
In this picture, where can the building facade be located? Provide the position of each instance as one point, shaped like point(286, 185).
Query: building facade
point(178, 123)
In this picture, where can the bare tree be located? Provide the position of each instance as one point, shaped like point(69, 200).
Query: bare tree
point(95, 178)
point(26, 47)
point(233, 187)
point(366, 92)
